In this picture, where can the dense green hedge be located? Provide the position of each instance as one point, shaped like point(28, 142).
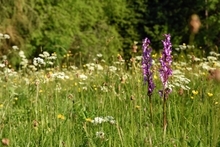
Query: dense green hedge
point(85, 27)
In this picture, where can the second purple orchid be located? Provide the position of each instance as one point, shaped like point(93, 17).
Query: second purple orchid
point(165, 62)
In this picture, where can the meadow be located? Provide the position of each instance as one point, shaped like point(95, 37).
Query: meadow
point(106, 105)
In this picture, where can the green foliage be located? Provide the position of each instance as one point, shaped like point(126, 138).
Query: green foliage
point(76, 26)
point(79, 28)
point(86, 28)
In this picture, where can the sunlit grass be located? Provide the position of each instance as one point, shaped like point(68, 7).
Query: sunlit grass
point(106, 105)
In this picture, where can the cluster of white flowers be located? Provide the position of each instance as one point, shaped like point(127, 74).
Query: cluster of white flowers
point(99, 120)
point(38, 62)
point(98, 58)
point(83, 77)
point(24, 60)
point(184, 47)
point(211, 62)
point(4, 36)
point(212, 53)
point(212, 58)
point(112, 68)
point(205, 65)
point(44, 59)
point(194, 58)
point(179, 80)
point(10, 72)
point(44, 55)
point(59, 75)
point(32, 67)
point(92, 66)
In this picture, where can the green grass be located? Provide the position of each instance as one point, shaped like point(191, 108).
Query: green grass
point(30, 105)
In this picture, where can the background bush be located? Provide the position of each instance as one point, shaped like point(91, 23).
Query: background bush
point(85, 28)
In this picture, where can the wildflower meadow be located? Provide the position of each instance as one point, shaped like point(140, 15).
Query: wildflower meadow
point(164, 99)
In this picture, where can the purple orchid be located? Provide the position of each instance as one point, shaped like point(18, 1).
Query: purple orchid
point(146, 65)
point(165, 62)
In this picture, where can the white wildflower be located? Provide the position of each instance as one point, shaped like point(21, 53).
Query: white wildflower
point(190, 46)
point(58, 87)
point(83, 77)
point(14, 47)
point(211, 58)
point(46, 54)
point(21, 54)
point(84, 88)
point(189, 68)
point(32, 67)
point(52, 57)
point(205, 65)
point(60, 75)
point(98, 120)
point(10, 72)
point(204, 59)
point(38, 61)
point(112, 68)
point(185, 87)
point(212, 53)
point(100, 135)
point(112, 122)
point(27, 81)
point(177, 84)
point(183, 64)
point(73, 67)
point(117, 62)
point(99, 55)
point(41, 55)
point(217, 64)
point(92, 68)
point(177, 49)
point(24, 62)
point(81, 83)
point(104, 89)
point(110, 119)
point(196, 74)
point(99, 67)
point(6, 36)
point(179, 80)
point(176, 72)
point(2, 65)
point(182, 47)
point(92, 64)
point(197, 59)
point(139, 58)
point(50, 63)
